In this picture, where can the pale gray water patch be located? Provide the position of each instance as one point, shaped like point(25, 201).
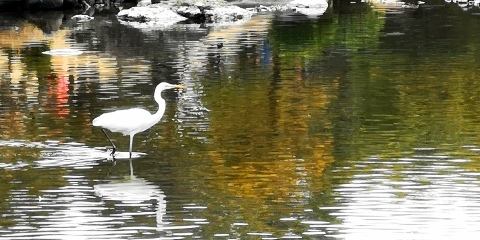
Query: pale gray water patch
point(52, 154)
point(64, 52)
point(377, 206)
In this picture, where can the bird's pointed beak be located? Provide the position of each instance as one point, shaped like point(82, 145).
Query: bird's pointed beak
point(179, 86)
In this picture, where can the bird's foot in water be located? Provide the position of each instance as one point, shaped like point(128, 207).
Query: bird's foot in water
point(111, 152)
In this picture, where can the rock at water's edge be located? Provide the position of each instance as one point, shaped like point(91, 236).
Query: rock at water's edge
point(206, 11)
point(155, 12)
point(226, 13)
point(308, 3)
point(209, 11)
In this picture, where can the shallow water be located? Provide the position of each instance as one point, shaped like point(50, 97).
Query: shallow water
point(359, 124)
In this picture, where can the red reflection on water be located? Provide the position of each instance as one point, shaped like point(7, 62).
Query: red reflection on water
point(58, 95)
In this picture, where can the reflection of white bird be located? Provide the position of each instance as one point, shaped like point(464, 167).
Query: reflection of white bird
point(134, 192)
point(134, 120)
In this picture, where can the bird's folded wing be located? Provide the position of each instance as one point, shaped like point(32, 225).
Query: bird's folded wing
point(123, 121)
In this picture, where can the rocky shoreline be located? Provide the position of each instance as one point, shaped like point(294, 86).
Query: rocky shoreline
point(211, 11)
point(172, 11)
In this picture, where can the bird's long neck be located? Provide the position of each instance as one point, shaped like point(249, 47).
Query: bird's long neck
point(161, 108)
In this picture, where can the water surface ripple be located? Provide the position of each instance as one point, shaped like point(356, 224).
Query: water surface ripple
point(359, 124)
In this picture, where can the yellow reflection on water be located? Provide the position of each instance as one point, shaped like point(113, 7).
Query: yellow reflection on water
point(266, 151)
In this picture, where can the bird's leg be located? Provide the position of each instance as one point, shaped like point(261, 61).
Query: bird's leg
point(131, 143)
point(131, 168)
point(113, 145)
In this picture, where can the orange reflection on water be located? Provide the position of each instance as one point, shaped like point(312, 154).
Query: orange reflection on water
point(22, 36)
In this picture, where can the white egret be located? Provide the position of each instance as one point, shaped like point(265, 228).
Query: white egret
point(134, 120)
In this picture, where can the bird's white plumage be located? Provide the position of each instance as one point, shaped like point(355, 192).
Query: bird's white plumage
point(128, 121)
point(134, 120)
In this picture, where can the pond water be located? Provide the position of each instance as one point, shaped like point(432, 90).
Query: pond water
point(360, 124)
